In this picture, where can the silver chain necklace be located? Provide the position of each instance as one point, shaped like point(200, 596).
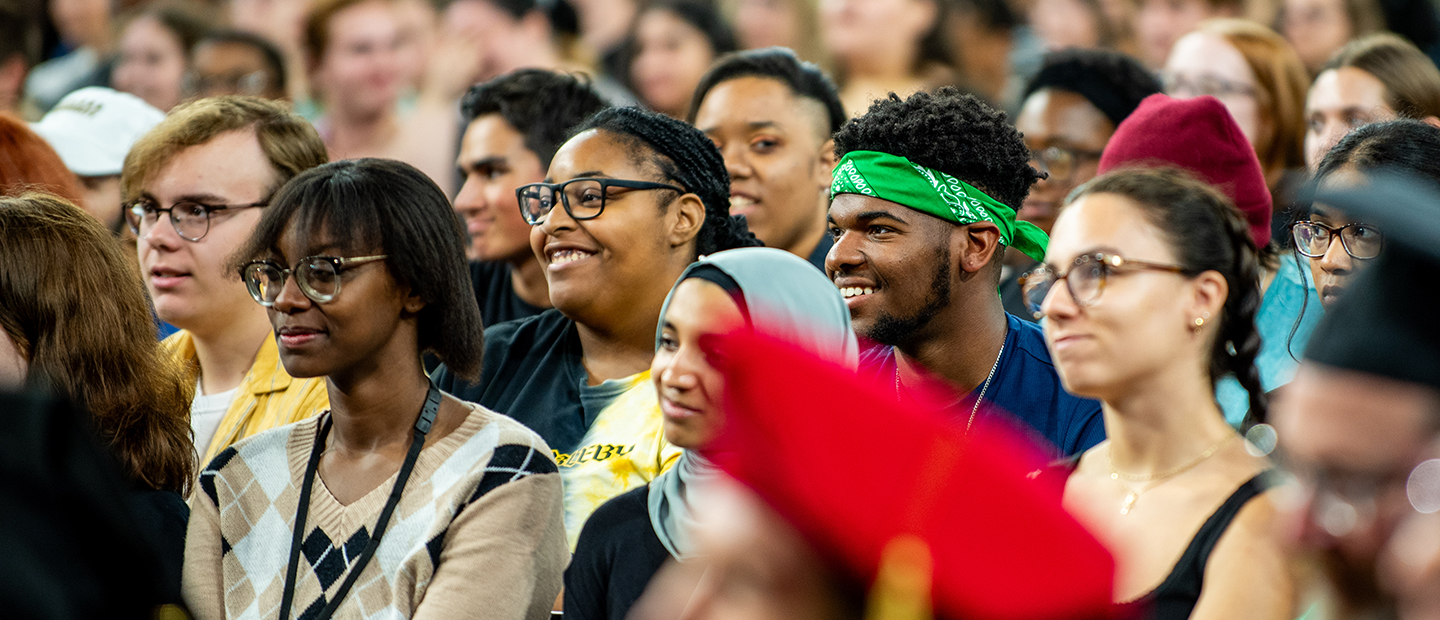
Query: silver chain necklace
point(983, 388)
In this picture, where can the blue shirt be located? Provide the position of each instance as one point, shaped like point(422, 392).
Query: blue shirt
point(1026, 386)
point(1290, 303)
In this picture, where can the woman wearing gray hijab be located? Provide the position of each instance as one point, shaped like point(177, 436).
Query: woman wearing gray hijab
point(772, 291)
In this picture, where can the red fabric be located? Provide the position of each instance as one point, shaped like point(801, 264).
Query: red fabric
point(852, 469)
point(1198, 135)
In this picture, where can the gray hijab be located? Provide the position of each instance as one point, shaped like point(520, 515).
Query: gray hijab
point(781, 295)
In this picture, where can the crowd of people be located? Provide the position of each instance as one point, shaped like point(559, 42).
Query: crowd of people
point(893, 309)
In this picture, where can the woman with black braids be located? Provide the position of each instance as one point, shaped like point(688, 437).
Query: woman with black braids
point(630, 201)
point(1150, 286)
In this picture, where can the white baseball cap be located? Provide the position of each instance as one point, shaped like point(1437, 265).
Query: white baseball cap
point(93, 129)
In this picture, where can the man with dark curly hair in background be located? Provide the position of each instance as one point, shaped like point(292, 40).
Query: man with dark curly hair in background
point(923, 209)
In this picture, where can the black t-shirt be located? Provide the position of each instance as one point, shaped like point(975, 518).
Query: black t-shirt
point(616, 557)
point(817, 255)
point(532, 372)
point(496, 294)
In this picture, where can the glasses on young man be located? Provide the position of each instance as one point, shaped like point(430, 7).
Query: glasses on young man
point(1312, 239)
point(317, 276)
point(191, 219)
point(1060, 163)
point(1085, 279)
point(583, 198)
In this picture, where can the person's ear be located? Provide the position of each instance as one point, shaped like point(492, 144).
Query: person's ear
point(974, 245)
point(688, 216)
point(1209, 291)
point(825, 164)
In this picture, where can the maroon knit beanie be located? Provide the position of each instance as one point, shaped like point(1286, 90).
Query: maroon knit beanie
point(1197, 135)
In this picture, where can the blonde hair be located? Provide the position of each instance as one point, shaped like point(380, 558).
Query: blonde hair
point(289, 142)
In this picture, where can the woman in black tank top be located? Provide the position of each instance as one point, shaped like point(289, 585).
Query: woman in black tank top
point(1150, 288)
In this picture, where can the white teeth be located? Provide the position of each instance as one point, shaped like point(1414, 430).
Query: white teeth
point(567, 256)
point(741, 201)
point(855, 291)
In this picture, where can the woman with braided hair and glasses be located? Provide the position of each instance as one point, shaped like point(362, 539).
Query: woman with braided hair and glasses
point(1150, 286)
point(629, 202)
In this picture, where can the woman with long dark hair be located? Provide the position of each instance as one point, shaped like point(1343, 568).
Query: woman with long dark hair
point(1150, 287)
point(394, 500)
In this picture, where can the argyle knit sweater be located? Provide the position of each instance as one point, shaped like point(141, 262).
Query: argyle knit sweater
point(478, 531)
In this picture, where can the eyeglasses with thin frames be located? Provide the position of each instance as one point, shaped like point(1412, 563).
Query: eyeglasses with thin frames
point(191, 219)
point(1361, 241)
point(1085, 279)
point(1060, 163)
point(317, 276)
point(583, 198)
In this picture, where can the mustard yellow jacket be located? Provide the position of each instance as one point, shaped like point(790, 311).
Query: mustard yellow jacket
point(268, 397)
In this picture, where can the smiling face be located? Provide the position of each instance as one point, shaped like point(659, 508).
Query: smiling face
point(1341, 100)
point(372, 316)
point(495, 161)
point(892, 264)
point(690, 389)
point(673, 55)
point(361, 72)
point(778, 153)
point(621, 264)
point(1067, 121)
point(152, 63)
point(1140, 324)
point(188, 280)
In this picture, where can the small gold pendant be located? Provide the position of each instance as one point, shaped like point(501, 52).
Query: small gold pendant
point(1129, 502)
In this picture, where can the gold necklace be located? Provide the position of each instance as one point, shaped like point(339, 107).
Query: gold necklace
point(1132, 494)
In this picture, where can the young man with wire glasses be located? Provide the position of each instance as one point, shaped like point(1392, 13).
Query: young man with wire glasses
point(194, 188)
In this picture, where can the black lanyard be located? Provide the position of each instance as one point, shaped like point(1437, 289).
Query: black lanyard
point(422, 427)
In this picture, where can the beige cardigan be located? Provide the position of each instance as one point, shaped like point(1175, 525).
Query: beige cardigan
point(478, 530)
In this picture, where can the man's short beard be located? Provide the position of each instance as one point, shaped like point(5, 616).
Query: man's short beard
point(895, 330)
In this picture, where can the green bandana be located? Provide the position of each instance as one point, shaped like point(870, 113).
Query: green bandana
point(897, 179)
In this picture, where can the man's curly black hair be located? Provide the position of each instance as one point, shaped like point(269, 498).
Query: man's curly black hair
point(949, 131)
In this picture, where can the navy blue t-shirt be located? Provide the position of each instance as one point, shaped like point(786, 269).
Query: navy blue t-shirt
point(1026, 386)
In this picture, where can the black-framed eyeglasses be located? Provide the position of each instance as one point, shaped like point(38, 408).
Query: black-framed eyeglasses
point(1312, 239)
point(191, 219)
point(317, 276)
point(583, 198)
point(1085, 279)
point(253, 83)
point(1060, 163)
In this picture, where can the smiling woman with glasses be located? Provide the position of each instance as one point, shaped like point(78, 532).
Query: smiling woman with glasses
point(1161, 287)
point(407, 492)
point(628, 203)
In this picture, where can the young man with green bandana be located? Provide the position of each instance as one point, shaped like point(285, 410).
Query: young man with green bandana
point(922, 212)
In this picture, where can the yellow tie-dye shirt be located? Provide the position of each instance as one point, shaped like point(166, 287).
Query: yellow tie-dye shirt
point(624, 448)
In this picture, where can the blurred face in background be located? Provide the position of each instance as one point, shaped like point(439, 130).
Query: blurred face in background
point(1160, 23)
point(671, 57)
point(152, 63)
point(1202, 63)
point(495, 161)
point(279, 21)
point(81, 22)
point(1066, 135)
point(768, 23)
point(853, 33)
point(418, 22)
point(1064, 24)
point(362, 70)
point(1316, 29)
point(1341, 100)
point(232, 68)
point(501, 37)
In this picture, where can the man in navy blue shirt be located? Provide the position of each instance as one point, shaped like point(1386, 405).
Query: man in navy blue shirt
point(922, 212)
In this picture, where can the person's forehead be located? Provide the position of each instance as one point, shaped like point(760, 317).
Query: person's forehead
point(597, 151)
point(1346, 87)
point(859, 206)
point(1109, 221)
point(1351, 419)
point(491, 135)
point(227, 55)
point(1057, 115)
point(753, 100)
point(231, 166)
